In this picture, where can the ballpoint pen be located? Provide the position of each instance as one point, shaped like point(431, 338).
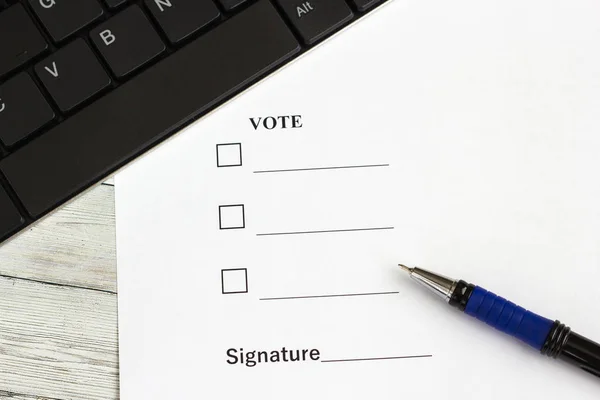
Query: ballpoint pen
point(551, 338)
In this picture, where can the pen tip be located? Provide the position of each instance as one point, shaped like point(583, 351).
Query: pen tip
point(404, 267)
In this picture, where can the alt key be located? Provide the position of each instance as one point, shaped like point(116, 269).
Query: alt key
point(314, 19)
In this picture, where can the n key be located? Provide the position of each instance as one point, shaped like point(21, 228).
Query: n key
point(72, 75)
point(62, 18)
point(181, 18)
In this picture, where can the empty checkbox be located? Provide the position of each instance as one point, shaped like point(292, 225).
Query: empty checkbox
point(232, 217)
point(229, 155)
point(234, 281)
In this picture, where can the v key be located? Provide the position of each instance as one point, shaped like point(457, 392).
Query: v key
point(52, 71)
point(73, 76)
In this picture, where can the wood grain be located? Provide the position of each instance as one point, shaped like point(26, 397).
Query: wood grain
point(74, 246)
point(57, 342)
point(58, 309)
point(13, 396)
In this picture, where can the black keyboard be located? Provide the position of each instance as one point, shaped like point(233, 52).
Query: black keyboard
point(88, 85)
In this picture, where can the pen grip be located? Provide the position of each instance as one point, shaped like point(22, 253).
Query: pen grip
point(508, 317)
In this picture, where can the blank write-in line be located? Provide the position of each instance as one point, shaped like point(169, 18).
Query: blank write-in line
point(268, 171)
point(326, 231)
point(328, 295)
point(376, 358)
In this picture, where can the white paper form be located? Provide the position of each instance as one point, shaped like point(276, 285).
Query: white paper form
point(460, 136)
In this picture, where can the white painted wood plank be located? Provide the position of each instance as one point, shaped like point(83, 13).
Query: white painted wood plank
point(74, 246)
point(60, 342)
point(13, 396)
point(57, 342)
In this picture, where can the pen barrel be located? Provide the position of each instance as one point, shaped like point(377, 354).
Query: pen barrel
point(573, 348)
point(508, 317)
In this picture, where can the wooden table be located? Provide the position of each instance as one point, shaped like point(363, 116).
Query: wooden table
point(58, 305)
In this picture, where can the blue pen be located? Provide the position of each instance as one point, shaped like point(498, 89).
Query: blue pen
point(549, 337)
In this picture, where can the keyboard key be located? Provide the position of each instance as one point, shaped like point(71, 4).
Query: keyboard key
point(316, 18)
point(62, 18)
point(150, 107)
point(114, 3)
point(23, 109)
point(364, 5)
point(20, 40)
point(229, 5)
point(127, 41)
point(10, 219)
point(181, 18)
point(72, 75)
